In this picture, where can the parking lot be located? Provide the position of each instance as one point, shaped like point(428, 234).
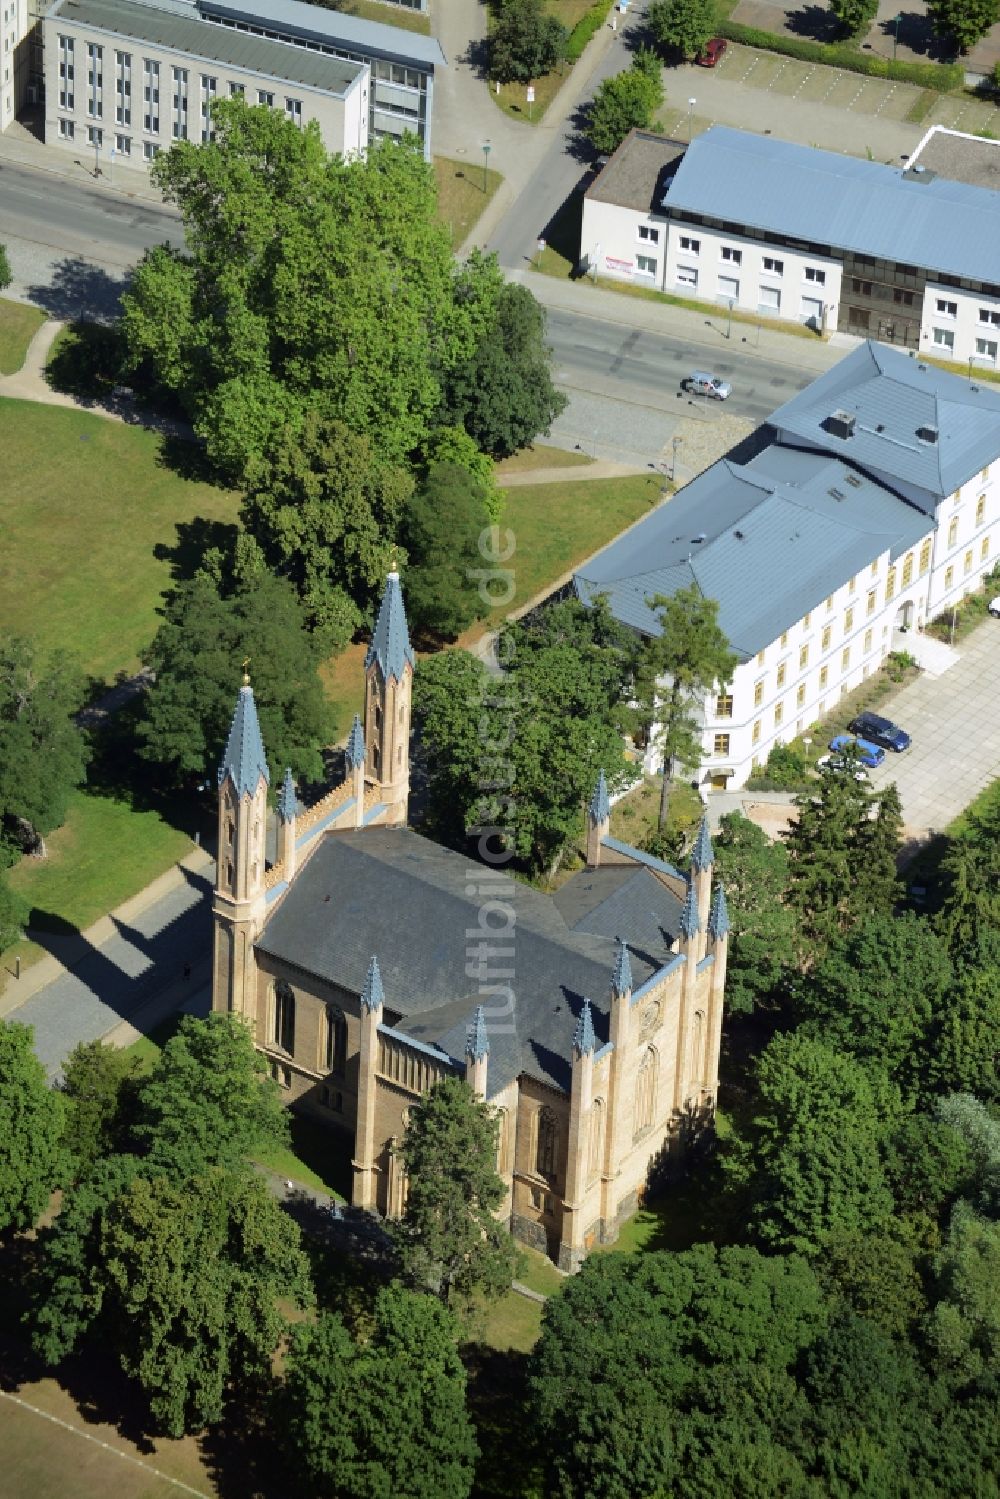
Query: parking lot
point(954, 722)
point(817, 84)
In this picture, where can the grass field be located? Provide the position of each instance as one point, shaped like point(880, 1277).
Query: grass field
point(18, 326)
point(89, 514)
point(388, 15)
point(461, 195)
point(512, 97)
point(533, 458)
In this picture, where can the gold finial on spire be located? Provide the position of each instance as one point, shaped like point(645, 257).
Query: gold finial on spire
point(393, 562)
point(246, 671)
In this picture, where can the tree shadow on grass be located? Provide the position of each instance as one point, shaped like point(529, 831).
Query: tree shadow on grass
point(194, 538)
point(86, 363)
point(508, 1462)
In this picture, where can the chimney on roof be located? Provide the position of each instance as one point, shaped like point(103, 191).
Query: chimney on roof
point(840, 423)
point(927, 434)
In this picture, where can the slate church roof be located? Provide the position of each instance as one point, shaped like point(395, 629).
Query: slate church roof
point(390, 892)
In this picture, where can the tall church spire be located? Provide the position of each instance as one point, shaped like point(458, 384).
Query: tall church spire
point(390, 643)
point(389, 665)
point(244, 759)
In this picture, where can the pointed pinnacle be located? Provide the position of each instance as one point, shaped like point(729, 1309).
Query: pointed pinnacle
point(689, 916)
point(286, 797)
point(477, 1045)
point(718, 919)
point(600, 802)
point(584, 1039)
point(621, 981)
point(355, 752)
point(702, 855)
point(373, 995)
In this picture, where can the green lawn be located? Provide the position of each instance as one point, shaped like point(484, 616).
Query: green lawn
point(463, 194)
point(536, 1271)
point(18, 326)
point(89, 514)
point(388, 15)
point(512, 1322)
point(529, 459)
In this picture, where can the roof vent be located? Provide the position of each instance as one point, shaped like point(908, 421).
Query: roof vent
point(927, 434)
point(880, 426)
point(838, 494)
point(699, 537)
point(840, 423)
point(738, 535)
point(852, 480)
point(922, 367)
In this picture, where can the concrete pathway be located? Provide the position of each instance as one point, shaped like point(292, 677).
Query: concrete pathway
point(602, 469)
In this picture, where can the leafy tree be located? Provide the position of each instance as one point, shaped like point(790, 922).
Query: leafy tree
point(6, 274)
point(454, 445)
point(618, 1415)
point(816, 1142)
point(683, 663)
point(525, 42)
point(207, 1102)
point(43, 755)
point(444, 522)
point(963, 22)
point(32, 1162)
point(13, 914)
point(450, 691)
point(325, 509)
point(964, 1325)
point(503, 395)
point(876, 994)
point(841, 860)
point(196, 656)
point(754, 872)
point(875, 1275)
point(682, 26)
point(962, 1051)
point(100, 1086)
point(969, 1118)
point(855, 16)
point(401, 1427)
point(971, 867)
point(449, 1239)
point(627, 101)
point(928, 1165)
point(309, 283)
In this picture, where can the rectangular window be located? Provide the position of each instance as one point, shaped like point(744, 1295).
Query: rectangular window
point(237, 90)
point(990, 317)
point(985, 473)
point(813, 273)
point(829, 602)
point(980, 510)
point(784, 638)
point(953, 531)
point(293, 112)
point(692, 246)
point(824, 675)
point(758, 694)
point(946, 308)
point(773, 267)
point(845, 659)
point(782, 672)
point(646, 231)
point(724, 705)
point(986, 348)
point(720, 744)
point(925, 555)
point(852, 585)
point(645, 265)
point(735, 257)
point(66, 129)
point(755, 735)
point(803, 657)
point(908, 570)
point(967, 561)
point(868, 641)
point(806, 618)
point(729, 289)
point(825, 642)
point(874, 569)
point(848, 621)
point(944, 338)
point(123, 88)
point(890, 584)
point(150, 150)
point(123, 145)
point(779, 713)
point(769, 298)
point(95, 135)
point(760, 658)
point(872, 602)
point(800, 695)
point(861, 288)
point(687, 275)
point(949, 576)
point(984, 550)
point(263, 97)
point(902, 298)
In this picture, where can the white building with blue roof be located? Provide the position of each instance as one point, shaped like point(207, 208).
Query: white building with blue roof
point(875, 507)
point(902, 254)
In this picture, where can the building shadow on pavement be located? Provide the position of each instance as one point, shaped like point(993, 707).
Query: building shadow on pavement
point(79, 289)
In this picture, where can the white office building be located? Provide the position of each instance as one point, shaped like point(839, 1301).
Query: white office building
point(874, 507)
point(793, 233)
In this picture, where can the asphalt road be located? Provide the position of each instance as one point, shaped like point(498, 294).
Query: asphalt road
point(627, 364)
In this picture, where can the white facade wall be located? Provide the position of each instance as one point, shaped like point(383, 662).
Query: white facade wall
point(625, 244)
point(15, 23)
point(770, 281)
point(961, 325)
point(124, 93)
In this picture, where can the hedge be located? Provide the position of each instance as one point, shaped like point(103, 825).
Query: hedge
point(587, 26)
point(944, 77)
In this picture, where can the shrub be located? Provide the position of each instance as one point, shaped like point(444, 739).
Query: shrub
point(943, 77)
point(787, 769)
point(587, 26)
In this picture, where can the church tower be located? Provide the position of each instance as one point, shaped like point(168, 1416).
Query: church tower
point(238, 907)
point(388, 686)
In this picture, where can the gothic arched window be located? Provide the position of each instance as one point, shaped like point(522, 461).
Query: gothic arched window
point(698, 1047)
point(595, 1148)
point(336, 1039)
point(283, 1033)
point(645, 1091)
point(545, 1151)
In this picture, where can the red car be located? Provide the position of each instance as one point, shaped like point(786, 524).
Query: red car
point(711, 52)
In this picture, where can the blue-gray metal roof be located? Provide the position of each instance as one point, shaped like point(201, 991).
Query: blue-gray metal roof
point(769, 541)
point(390, 642)
point(808, 194)
point(891, 396)
point(334, 28)
point(244, 759)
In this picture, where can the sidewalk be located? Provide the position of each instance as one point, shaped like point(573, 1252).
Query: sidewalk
point(19, 146)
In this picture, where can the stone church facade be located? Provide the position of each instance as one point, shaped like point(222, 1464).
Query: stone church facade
point(371, 962)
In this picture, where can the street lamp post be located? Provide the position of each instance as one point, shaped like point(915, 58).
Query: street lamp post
point(691, 105)
point(895, 37)
point(729, 325)
point(97, 158)
point(487, 148)
point(674, 445)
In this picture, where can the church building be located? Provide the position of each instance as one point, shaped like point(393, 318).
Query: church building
point(372, 962)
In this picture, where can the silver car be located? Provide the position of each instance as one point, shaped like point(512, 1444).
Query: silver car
point(704, 383)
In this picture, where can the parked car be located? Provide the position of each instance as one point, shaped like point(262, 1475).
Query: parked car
point(870, 755)
point(880, 731)
point(704, 383)
point(711, 52)
point(994, 607)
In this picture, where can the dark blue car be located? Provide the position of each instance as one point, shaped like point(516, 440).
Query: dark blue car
point(880, 731)
point(868, 754)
